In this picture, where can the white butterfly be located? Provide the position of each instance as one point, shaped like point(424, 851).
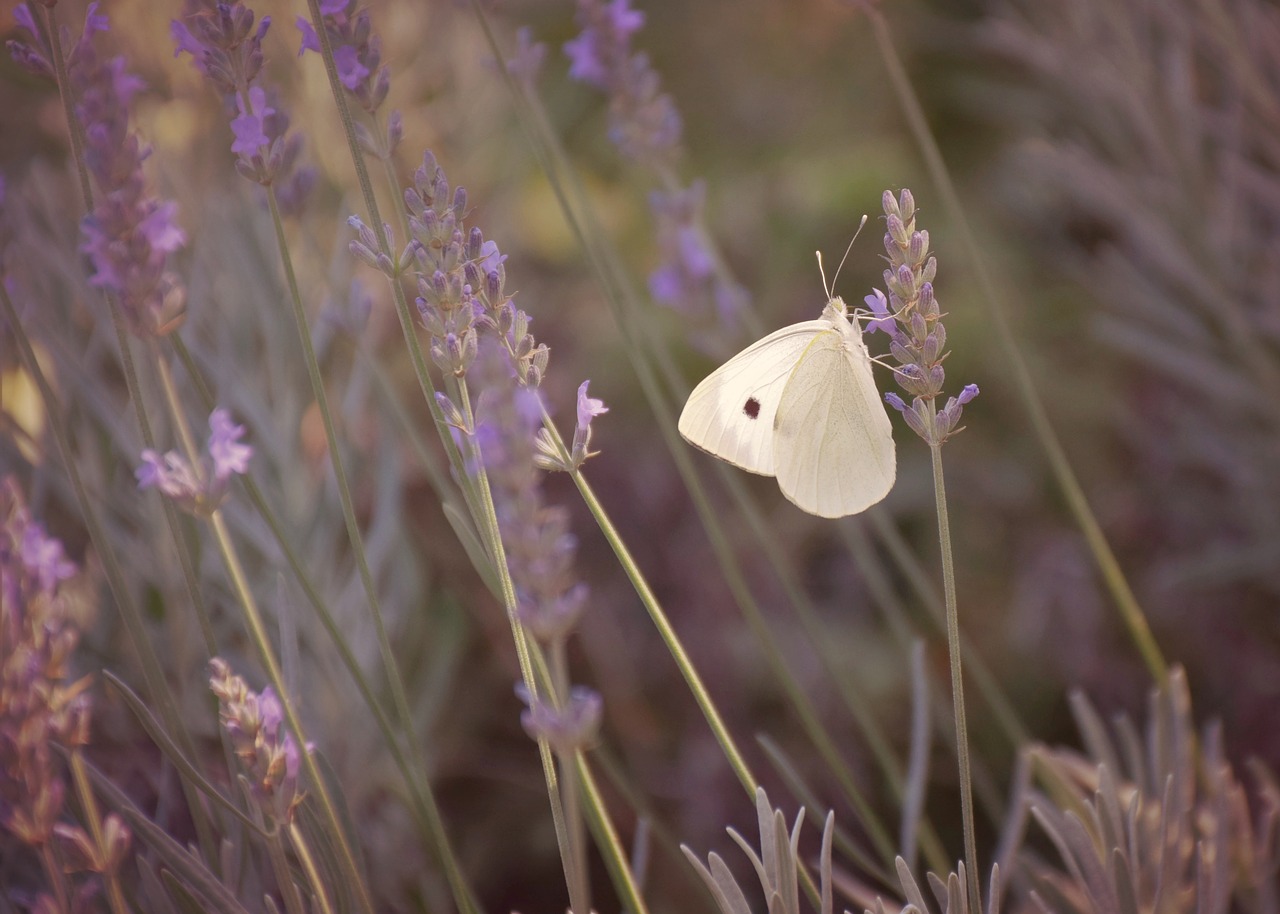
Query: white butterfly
point(801, 405)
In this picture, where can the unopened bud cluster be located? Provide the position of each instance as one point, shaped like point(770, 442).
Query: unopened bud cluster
point(909, 314)
point(462, 282)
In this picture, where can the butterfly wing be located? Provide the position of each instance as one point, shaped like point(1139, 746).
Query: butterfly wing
point(833, 443)
point(731, 413)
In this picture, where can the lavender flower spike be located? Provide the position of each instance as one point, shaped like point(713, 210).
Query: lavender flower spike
point(227, 49)
point(39, 706)
point(268, 753)
point(912, 319)
point(199, 490)
point(130, 234)
point(357, 55)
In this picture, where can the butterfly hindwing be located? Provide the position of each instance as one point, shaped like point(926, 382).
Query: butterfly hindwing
point(833, 444)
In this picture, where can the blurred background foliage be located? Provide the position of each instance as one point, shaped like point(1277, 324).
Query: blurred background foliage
point(1119, 163)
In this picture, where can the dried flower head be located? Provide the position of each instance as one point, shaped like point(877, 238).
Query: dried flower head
point(268, 753)
point(39, 707)
point(909, 315)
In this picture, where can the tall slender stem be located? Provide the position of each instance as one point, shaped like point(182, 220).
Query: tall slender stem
point(957, 678)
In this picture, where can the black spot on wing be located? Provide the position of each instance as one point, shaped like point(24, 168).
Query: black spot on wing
point(751, 409)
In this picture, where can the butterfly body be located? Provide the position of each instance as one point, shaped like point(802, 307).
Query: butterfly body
point(802, 405)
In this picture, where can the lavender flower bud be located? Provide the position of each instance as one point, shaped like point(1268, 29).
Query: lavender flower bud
point(452, 415)
point(896, 231)
point(568, 729)
point(475, 245)
point(889, 205)
point(928, 305)
point(395, 131)
point(934, 344)
point(918, 249)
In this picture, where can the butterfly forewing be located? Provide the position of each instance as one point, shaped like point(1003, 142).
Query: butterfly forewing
point(833, 443)
point(731, 413)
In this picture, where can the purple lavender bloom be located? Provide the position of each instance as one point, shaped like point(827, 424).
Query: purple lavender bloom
point(222, 41)
point(568, 729)
point(883, 321)
point(548, 453)
point(35, 56)
point(227, 453)
point(357, 51)
point(643, 121)
point(526, 63)
point(130, 233)
point(248, 127)
point(199, 490)
point(912, 318)
point(226, 47)
point(600, 51)
point(351, 72)
point(539, 546)
point(310, 41)
point(588, 407)
point(44, 559)
point(687, 280)
point(461, 279)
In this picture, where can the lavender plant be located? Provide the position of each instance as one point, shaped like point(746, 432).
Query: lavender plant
point(1147, 180)
point(381, 765)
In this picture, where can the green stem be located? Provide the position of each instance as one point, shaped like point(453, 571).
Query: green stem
point(303, 850)
point(423, 800)
point(93, 818)
point(957, 678)
point(354, 536)
point(284, 874)
point(55, 876)
point(487, 520)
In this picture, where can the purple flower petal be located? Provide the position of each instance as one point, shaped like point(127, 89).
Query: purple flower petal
point(228, 454)
point(584, 60)
point(626, 21)
point(351, 72)
point(43, 556)
point(588, 407)
point(93, 22)
point(22, 13)
point(184, 41)
point(310, 41)
point(249, 127)
point(161, 229)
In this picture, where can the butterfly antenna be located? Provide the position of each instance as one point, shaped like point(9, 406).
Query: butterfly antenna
point(834, 279)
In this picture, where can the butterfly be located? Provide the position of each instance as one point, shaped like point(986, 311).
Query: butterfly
point(801, 405)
